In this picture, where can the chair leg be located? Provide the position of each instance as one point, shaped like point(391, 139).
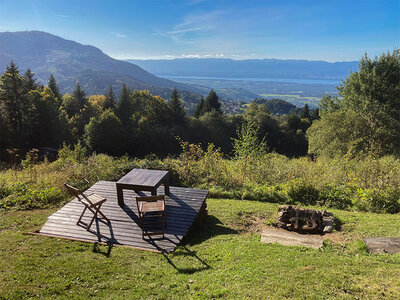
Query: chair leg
point(95, 211)
point(80, 218)
point(91, 221)
point(101, 214)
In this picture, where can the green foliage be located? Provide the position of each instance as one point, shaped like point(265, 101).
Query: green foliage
point(376, 200)
point(52, 84)
point(212, 103)
point(369, 107)
point(337, 134)
point(125, 107)
point(177, 108)
point(247, 145)
point(299, 191)
point(199, 108)
point(105, 134)
point(110, 101)
point(15, 108)
point(27, 198)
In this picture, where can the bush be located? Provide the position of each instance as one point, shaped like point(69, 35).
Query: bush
point(377, 201)
point(28, 198)
point(299, 191)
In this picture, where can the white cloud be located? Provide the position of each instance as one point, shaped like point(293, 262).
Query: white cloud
point(62, 16)
point(118, 35)
point(192, 27)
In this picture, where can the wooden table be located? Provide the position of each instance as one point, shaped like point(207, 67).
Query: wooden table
point(142, 180)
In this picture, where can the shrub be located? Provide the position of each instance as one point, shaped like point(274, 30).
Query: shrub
point(374, 200)
point(299, 191)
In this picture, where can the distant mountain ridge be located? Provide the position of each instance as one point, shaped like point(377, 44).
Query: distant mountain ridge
point(256, 68)
point(70, 61)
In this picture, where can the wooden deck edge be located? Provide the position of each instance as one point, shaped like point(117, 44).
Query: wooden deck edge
point(93, 242)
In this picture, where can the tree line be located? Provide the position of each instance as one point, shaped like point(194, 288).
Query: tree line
point(365, 118)
point(137, 123)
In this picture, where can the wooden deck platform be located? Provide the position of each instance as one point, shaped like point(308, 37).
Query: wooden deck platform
point(182, 207)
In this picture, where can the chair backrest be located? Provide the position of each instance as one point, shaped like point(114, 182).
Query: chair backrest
point(149, 199)
point(75, 192)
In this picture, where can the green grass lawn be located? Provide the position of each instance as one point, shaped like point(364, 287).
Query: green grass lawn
point(223, 258)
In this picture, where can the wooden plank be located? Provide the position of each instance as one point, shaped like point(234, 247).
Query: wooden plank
point(172, 217)
point(135, 243)
point(89, 241)
point(173, 212)
point(116, 238)
point(170, 228)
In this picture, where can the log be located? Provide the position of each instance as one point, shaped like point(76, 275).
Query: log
point(307, 220)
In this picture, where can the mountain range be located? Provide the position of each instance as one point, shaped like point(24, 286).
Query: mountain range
point(70, 62)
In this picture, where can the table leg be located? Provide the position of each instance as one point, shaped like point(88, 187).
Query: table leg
point(166, 185)
point(120, 196)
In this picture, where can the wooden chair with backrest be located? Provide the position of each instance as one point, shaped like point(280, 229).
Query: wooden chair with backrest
point(91, 202)
point(151, 210)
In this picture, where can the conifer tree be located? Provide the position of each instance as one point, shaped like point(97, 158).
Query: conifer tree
point(199, 108)
point(12, 105)
point(212, 103)
point(30, 82)
point(110, 101)
point(178, 112)
point(305, 112)
point(125, 105)
point(52, 84)
point(80, 96)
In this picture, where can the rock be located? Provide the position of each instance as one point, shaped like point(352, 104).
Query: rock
point(383, 245)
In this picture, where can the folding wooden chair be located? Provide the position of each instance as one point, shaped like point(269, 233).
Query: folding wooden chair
point(151, 211)
point(91, 202)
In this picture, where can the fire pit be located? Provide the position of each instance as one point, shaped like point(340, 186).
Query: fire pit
point(304, 220)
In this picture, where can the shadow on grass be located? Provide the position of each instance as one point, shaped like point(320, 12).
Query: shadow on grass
point(210, 227)
point(199, 232)
point(337, 224)
point(187, 254)
point(97, 249)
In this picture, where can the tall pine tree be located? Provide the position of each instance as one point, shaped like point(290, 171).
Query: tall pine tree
point(110, 101)
point(52, 84)
point(199, 108)
point(305, 112)
point(177, 108)
point(212, 103)
point(80, 96)
point(13, 106)
point(30, 82)
point(125, 106)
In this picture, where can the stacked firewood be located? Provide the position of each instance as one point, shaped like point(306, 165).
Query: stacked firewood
point(304, 220)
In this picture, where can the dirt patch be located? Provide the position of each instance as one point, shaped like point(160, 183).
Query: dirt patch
point(252, 223)
point(337, 238)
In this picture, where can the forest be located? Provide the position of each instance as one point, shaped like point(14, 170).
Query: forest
point(344, 154)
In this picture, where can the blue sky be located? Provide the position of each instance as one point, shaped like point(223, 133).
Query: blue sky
point(317, 30)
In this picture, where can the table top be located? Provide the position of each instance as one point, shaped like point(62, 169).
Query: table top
point(143, 177)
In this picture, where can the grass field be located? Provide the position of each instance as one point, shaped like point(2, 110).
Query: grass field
point(223, 258)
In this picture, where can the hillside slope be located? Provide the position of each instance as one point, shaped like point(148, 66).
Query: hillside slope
point(70, 61)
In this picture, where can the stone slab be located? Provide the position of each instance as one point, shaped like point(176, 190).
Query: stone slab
point(289, 238)
point(383, 245)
